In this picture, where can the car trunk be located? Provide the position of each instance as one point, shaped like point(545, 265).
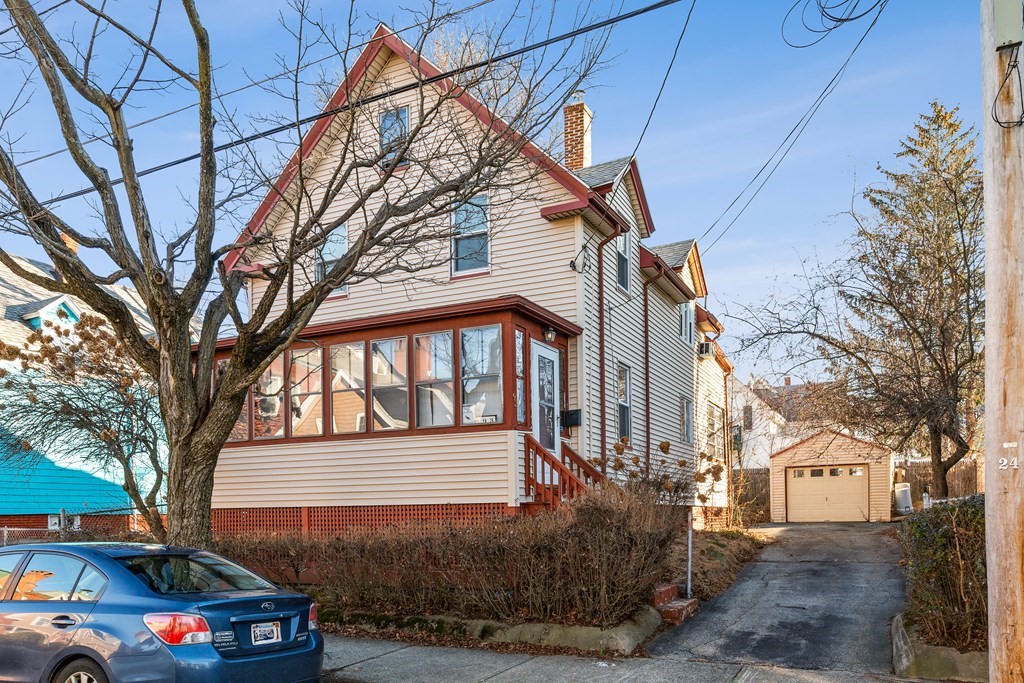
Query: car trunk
point(253, 622)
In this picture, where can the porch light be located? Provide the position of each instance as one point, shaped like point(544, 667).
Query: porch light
point(549, 334)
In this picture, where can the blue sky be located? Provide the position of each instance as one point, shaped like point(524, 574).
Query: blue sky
point(735, 92)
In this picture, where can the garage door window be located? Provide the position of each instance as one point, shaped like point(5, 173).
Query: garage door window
point(856, 471)
point(817, 473)
point(835, 472)
point(797, 474)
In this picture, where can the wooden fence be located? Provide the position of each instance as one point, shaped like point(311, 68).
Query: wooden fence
point(963, 479)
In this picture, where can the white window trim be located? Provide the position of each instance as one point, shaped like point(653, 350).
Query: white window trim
point(629, 400)
point(627, 250)
point(687, 322)
point(456, 236)
point(688, 417)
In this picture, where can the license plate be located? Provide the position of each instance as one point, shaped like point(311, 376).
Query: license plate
point(265, 634)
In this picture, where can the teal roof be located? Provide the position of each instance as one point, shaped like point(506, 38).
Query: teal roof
point(38, 486)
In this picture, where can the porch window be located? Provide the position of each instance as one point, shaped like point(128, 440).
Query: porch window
point(470, 238)
point(623, 394)
point(348, 388)
point(394, 131)
point(433, 364)
point(334, 249)
point(389, 383)
point(306, 392)
point(520, 376)
point(240, 430)
point(481, 375)
point(268, 402)
point(622, 249)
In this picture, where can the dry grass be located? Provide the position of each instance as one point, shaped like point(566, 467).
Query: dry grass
point(718, 558)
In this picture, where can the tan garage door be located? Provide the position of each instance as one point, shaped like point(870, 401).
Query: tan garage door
point(836, 493)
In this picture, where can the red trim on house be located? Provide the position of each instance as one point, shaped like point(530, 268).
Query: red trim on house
point(703, 315)
point(649, 259)
point(468, 276)
point(385, 37)
point(513, 302)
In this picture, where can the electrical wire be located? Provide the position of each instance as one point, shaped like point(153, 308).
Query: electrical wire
point(664, 81)
point(787, 143)
point(828, 17)
point(1012, 67)
point(220, 97)
point(605, 23)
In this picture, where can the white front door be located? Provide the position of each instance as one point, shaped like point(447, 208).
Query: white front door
point(546, 393)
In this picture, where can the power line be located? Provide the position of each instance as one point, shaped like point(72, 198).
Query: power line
point(664, 81)
point(788, 142)
point(235, 91)
point(375, 98)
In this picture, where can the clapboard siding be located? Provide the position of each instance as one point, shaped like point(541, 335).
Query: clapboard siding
point(452, 468)
point(833, 448)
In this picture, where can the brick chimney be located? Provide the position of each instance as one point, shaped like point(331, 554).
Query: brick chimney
point(578, 118)
point(69, 242)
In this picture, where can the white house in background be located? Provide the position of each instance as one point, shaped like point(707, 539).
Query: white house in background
point(458, 393)
point(758, 428)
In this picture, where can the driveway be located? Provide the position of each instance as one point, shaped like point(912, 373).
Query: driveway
point(820, 597)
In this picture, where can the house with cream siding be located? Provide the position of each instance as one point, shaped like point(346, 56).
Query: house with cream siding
point(493, 383)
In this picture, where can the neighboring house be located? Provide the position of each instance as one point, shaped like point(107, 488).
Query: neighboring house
point(832, 477)
point(758, 429)
point(452, 394)
point(33, 497)
point(24, 307)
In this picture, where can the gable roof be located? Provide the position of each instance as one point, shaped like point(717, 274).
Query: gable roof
point(20, 300)
point(675, 253)
point(834, 435)
point(794, 402)
point(36, 485)
point(587, 199)
point(604, 173)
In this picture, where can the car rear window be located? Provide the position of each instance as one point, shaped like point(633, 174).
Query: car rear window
point(200, 573)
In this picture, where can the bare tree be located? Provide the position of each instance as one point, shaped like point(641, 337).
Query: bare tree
point(388, 204)
point(74, 392)
point(898, 323)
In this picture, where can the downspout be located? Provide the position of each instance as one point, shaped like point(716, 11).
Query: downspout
point(617, 230)
point(647, 367)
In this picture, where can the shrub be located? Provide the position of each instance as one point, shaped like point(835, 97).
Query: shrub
point(594, 562)
point(944, 548)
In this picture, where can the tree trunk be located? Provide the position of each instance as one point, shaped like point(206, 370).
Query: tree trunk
point(190, 495)
point(940, 489)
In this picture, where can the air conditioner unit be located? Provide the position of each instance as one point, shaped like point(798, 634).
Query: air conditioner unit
point(706, 349)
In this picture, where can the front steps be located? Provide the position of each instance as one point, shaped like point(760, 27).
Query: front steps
point(672, 608)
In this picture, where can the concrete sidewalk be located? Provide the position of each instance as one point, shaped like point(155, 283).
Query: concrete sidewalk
point(352, 660)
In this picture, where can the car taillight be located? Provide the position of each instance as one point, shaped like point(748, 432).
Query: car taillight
point(313, 617)
point(179, 629)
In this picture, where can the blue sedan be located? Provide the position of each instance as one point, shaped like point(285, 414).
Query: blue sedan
point(110, 612)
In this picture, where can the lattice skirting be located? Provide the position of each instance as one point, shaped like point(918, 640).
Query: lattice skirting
point(321, 521)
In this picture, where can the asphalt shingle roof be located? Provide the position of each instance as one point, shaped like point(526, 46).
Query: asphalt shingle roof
point(602, 174)
point(18, 297)
point(675, 253)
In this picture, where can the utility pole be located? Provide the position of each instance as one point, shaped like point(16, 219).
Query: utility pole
point(1001, 28)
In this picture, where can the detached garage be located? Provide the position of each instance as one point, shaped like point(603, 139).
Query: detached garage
point(832, 477)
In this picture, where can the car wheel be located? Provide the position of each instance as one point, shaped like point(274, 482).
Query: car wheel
point(80, 671)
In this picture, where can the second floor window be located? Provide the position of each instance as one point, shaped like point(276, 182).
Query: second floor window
point(622, 260)
point(624, 397)
point(394, 131)
point(470, 237)
point(686, 322)
point(334, 249)
point(687, 420)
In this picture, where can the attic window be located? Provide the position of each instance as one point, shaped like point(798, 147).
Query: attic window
point(394, 132)
point(334, 249)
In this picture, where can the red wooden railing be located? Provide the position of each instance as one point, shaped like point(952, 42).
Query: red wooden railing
point(583, 470)
point(551, 479)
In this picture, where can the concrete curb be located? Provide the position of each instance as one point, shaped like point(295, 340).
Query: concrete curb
point(621, 639)
point(913, 659)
